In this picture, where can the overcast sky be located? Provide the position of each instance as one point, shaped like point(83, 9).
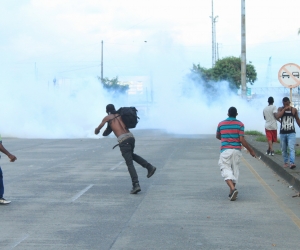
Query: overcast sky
point(161, 39)
point(62, 38)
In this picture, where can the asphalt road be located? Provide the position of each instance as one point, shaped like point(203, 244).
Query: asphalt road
point(74, 194)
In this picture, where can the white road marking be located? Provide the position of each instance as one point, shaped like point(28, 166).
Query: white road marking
point(75, 197)
point(113, 168)
point(19, 241)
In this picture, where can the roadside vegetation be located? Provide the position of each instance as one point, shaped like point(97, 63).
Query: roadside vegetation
point(253, 132)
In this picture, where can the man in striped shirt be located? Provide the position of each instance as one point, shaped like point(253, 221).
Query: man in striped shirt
point(231, 134)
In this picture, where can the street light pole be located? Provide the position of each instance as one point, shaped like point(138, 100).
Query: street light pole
point(243, 50)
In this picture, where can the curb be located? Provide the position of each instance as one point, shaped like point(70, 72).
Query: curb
point(278, 169)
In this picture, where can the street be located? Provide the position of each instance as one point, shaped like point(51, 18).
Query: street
point(74, 194)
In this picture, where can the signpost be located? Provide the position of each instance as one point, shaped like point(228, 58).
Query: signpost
point(289, 76)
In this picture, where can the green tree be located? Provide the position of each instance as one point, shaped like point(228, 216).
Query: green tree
point(112, 85)
point(227, 69)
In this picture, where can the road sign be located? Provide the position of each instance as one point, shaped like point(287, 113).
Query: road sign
point(289, 75)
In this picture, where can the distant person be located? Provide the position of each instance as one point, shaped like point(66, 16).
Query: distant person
point(126, 143)
point(12, 159)
point(231, 134)
point(288, 115)
point(269, 114)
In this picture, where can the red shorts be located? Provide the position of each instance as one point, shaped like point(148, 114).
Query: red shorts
point(271, 135)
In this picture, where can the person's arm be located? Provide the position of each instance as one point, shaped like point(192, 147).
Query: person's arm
point(297, 117)
point(281, 111)
point(218, 135)
point(9, 155)
point(97, 130)
point(264, 115)
point(246, 145)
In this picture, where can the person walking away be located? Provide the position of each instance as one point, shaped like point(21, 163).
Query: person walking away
point(288, 115)
point(12, 159)
point(127, 144)
point(269, 114)
point(231, 134)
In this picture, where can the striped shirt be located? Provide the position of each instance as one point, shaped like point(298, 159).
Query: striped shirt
point(230, 130)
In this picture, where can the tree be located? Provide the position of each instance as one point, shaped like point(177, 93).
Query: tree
point(112, 85)
point(227, 69)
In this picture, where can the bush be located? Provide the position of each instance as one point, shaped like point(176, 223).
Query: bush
point(253, 132)
point(261, 138)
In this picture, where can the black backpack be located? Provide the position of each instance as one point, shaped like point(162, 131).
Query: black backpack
point(129, 116)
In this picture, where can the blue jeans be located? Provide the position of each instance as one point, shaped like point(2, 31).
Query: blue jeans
point(1, 184)
point(288, 141)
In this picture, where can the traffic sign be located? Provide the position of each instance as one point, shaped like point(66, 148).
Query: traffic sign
point(289, 75)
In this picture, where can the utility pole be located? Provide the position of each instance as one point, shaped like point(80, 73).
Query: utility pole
point(243, 50)
point(102, 61)
point(213, 38)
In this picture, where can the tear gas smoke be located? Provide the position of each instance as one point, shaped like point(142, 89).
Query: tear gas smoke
point(73, 110)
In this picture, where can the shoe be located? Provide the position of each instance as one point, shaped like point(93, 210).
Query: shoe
point(268, 152)
point(151, 172)
point(285, 165)
point(233, 195)
point(272, 153)
point(292, 166)
point(135, 189)
point(4, 202)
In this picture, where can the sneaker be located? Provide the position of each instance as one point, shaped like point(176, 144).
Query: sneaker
point(135, 189)
point(268, 152)
point(292, 166)
point(4, 202)
point(151, 172)
point(233, 195)
point(272, 153)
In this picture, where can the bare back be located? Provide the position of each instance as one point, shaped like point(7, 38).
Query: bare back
point(117, 125)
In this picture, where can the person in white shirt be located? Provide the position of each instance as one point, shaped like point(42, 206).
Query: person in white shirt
point(269, 114)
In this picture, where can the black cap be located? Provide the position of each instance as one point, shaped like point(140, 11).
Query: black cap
point(110, 108)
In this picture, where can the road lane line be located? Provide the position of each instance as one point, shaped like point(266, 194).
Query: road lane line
point(19, 241)
point(113, 168)
point(281, 204)
point(75, 197)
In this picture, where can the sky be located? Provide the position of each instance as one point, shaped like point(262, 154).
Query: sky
point(45, 40)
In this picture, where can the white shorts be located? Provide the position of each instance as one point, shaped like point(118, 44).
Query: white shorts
point(229, 164)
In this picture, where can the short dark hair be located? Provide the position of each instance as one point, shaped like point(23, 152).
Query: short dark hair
point(110, 108)
point(232, 112)
point(285, 99)
point(270, 100)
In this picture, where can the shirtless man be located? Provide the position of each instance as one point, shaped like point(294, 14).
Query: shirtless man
point(127, 143)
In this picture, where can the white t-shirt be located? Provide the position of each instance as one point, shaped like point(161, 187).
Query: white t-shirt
point(271, 122)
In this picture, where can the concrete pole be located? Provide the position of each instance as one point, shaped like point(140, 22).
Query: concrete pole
point(102, 61)
point(243, 51)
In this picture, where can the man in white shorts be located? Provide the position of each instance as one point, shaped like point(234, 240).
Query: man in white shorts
point(231, 134)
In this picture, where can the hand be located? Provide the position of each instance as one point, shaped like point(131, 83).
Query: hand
point(12, 158)
point(97, 130)
point(253, 153)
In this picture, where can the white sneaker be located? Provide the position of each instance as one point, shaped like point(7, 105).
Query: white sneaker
point(4, 202)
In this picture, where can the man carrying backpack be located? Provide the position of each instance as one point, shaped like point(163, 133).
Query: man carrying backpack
point(126, 143)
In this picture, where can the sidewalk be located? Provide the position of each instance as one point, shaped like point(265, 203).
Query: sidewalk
point(292, 176)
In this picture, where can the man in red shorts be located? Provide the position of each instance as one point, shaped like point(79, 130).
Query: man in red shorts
point(270, 124)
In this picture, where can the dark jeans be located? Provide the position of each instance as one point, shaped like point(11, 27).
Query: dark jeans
point(127, 148)
point(1, 184)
